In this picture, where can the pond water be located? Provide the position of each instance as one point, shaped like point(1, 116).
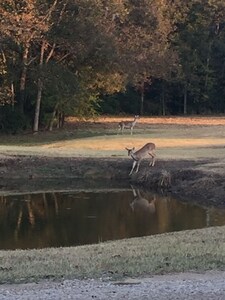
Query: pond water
point(84, 217)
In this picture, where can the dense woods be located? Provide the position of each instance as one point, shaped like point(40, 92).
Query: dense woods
point(63, 58)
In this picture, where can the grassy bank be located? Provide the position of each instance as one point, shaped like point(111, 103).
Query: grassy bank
point(196, 250)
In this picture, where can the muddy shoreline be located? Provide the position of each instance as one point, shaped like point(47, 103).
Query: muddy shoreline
point(188, 181)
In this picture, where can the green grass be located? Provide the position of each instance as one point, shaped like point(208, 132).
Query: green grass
point(42, 138)
point(194, 250)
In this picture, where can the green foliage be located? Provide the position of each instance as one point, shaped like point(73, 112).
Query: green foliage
point(11, 120)
point(110, 104)
point(86, 106)
point(120, 103)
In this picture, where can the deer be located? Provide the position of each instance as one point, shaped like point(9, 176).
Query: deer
point(137, 156)
point(128, 124)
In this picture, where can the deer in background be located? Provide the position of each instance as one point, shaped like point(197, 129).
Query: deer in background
point(137, 156)
point(128, 125)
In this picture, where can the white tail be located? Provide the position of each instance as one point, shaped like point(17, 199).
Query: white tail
point(146, 151)
point(141, 204)
point(128, 125)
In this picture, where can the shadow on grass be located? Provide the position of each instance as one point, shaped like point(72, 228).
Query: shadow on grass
point(44, 137)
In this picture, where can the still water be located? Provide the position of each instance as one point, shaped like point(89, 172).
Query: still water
point(79, 217)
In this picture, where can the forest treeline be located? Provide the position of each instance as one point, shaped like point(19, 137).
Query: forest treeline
point(63, 58)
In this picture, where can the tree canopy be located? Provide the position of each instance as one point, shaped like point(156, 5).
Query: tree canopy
point(63, 58)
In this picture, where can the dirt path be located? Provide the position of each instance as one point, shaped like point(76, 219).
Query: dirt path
point(184, 286)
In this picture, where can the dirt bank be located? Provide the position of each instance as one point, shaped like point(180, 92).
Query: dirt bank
point(199, 181)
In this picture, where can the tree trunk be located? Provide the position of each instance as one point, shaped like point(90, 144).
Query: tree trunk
point(207, 64)
point(23, 79)
point(39, 90)
point(12, 95)
point(53, 118)
point(61, 119)
point(163, 100)
point(38, 105)
point(142, 99)
point(185, 98)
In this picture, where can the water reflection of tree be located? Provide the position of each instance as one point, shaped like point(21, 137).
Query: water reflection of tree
point(64, 219)
point(21, 215)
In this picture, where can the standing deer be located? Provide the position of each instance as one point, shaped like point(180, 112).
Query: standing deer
point(139, 155)
point(128, 125)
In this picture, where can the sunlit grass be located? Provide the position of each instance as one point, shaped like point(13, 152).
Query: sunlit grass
point(114, 146)
point(106, 128)
point(177, 120)
point(116, 143)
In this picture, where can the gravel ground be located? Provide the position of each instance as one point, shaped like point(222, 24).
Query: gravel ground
point(193, 286)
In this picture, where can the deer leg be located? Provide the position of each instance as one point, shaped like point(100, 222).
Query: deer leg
point(121, 127)
point(134, 191)
point(134, 164)
point(138, 164)
point(152, 163)
point(131, 130)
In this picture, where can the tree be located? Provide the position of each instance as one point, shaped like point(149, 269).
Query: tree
point(197, 36)
point(145, 34)
point(22, 24)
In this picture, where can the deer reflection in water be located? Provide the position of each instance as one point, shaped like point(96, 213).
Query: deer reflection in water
point(141, 204)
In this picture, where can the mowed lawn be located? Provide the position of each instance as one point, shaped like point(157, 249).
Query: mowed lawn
point(175, 138)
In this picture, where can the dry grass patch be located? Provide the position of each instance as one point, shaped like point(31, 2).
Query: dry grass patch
point(180, 120)
point(117, 143)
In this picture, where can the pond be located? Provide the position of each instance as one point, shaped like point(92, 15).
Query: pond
point(79, 217)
